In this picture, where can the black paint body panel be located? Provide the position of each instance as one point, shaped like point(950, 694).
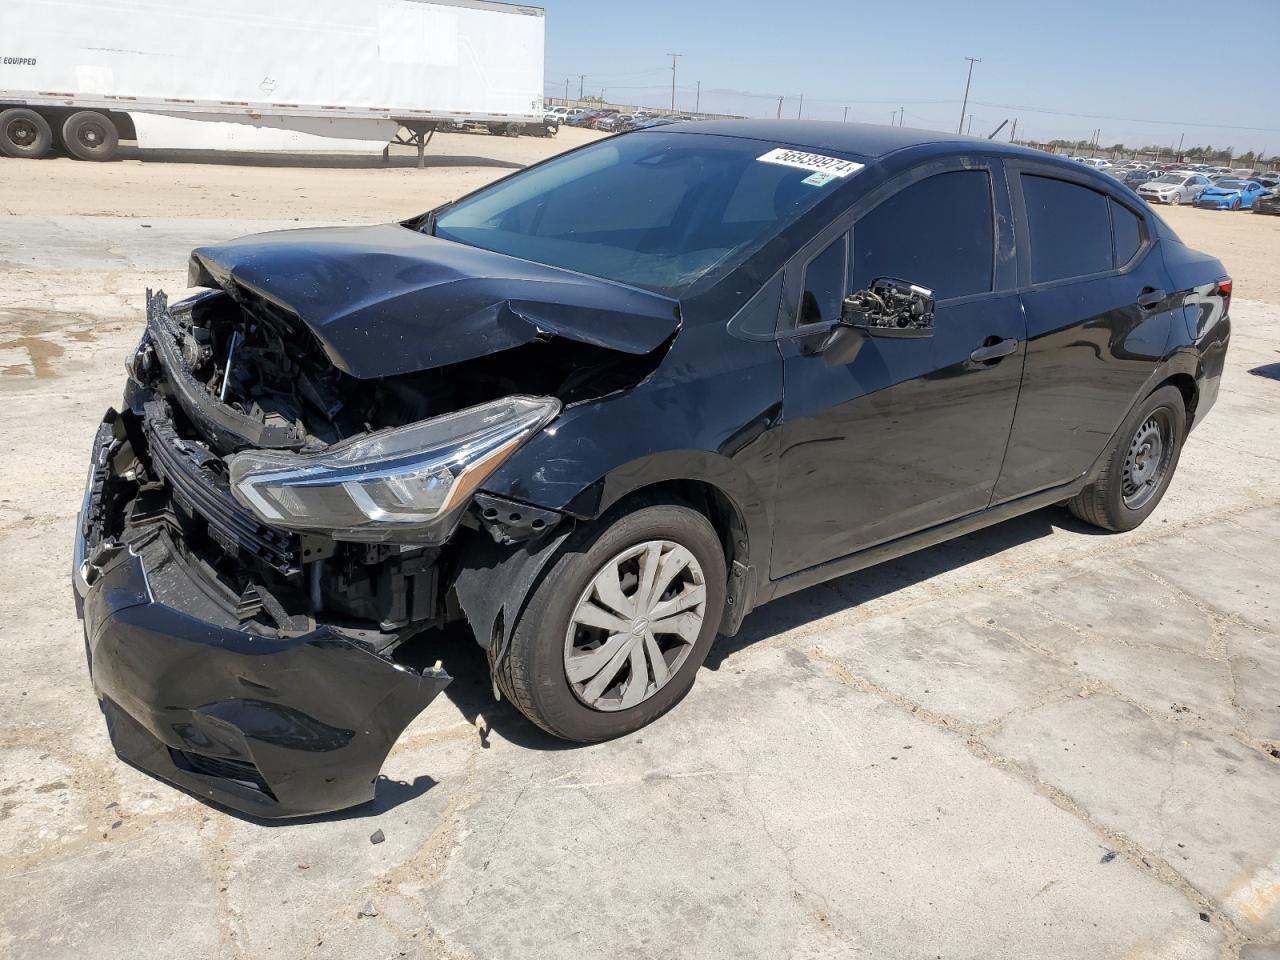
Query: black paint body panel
point(387, 299)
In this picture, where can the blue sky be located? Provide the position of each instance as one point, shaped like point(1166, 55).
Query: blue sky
point(1062, 68)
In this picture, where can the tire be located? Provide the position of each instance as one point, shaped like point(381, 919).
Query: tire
point(1235, 204)
point(89, 135)
point(1175, 199)
point(534, 673)
point(24, 134)
point(1105, 503)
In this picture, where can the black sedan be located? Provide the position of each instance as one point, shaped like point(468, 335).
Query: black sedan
point(602, 409)
point(1268, 203)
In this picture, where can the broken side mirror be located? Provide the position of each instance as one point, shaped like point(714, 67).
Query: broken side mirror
point(890, 308)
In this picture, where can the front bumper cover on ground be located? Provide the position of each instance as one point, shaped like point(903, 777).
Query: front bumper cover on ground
point(270, 726)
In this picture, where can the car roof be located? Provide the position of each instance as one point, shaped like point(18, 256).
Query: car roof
point(864, 139)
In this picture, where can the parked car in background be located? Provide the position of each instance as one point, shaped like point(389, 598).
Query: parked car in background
point(1230, 194)
point(1098, 163)
point(1179, 186)
point(1268, 203)
point(1269, 180)
point(601, 409)
point(1132, 176)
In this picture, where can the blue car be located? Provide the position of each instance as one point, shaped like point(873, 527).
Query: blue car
point(1230, 194)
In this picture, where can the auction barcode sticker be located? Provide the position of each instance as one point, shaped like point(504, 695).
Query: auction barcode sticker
point(816, 162)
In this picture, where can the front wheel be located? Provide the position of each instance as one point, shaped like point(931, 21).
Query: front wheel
point(1235, 204)
point(1175, 199)
point(614, 634)
point(1139, 465)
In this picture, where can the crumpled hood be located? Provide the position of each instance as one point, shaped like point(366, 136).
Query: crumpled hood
point(1219, 192)
point(387, 299)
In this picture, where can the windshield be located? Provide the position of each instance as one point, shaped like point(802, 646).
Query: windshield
point(1170, 178)
point(656, 209)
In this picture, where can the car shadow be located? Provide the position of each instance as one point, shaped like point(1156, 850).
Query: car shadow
point(471, 691)
point(863, 586)
point(317, 161)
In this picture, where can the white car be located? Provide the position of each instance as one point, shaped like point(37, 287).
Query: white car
point(1173, 188)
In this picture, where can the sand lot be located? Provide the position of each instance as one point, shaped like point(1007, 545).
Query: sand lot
point(1032, 742)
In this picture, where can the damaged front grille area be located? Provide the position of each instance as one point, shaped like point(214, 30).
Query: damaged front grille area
point(199, 488)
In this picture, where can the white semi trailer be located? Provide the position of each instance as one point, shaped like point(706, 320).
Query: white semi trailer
point(248, 75)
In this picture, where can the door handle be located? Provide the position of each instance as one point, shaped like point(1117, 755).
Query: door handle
point(1150, 298)
point(994, 351)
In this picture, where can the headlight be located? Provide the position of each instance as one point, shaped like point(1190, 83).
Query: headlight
point(408, 484)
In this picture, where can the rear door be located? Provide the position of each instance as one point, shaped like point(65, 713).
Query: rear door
point(907, 433)
point(1099, 306)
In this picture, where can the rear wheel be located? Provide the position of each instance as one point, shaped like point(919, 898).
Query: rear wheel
point(616, 631)
point(88, 135)
point(24, 134)
point(1139, 465)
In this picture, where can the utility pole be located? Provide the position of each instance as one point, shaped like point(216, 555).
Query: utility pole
point(800, 109)
point(697, 100)
point(566, 89)
point(969, 127)
point(1180, 139)
point(582, 78)
point(846, 115)
point(893, 119)
point(965, 106)
point(1013, 133)
point(779, 108)
point(902, 116)
point(674, 57)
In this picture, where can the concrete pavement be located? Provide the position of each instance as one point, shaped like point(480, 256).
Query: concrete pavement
point(1036, 741)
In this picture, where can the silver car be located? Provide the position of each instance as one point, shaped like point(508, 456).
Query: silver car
point(1178, 186)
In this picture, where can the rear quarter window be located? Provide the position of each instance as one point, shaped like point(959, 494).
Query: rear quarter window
point(1070, 229)
point(1127, 229)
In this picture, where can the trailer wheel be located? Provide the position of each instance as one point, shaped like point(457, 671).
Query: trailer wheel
point(512, 129)
point(24, 134)
point(89, 135)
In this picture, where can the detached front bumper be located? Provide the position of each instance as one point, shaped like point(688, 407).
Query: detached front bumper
point(271, 726)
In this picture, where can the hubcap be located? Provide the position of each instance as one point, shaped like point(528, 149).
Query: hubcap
point(91, 135)
point(1146, 461)
point(22, 132)
point(634, 625)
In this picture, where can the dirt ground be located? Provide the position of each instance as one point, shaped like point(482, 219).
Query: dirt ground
point(1033, 741)
point(337, 188)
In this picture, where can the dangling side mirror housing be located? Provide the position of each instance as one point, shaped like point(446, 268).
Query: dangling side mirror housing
point(890, 308)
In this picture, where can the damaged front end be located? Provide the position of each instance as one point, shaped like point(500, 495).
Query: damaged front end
point(265, 537)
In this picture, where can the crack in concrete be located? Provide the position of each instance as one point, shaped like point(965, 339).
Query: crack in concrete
point(1149, 863)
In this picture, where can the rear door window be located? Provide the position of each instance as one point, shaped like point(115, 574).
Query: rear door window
point(1070, 229)
point(937, 233)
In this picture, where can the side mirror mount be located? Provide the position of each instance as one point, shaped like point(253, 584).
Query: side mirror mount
point(890, 308)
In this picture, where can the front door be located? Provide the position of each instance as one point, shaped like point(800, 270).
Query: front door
point(908, 433)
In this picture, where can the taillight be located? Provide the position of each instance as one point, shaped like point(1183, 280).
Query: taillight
point(1224, 290)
